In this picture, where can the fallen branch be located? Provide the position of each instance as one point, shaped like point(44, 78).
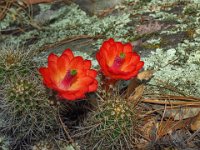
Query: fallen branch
point(70, 39)
point(31, 2)
point(168, 107)
point(168, 102)
point(176, 97)
point(5, 8)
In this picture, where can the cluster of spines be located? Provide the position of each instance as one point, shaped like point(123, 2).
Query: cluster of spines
point(114, 122)
point(26, 111)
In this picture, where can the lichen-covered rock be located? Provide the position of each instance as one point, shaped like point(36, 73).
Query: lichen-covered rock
point(96, 6)
point(178, 68)
point(67, 21)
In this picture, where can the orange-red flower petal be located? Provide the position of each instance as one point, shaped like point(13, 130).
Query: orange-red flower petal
point(118, 61)
point(70, 76)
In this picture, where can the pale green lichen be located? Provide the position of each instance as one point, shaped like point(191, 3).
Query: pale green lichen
point(165, 16)
point(15, 18)
point(44, 7)
point(182, 75)
point(73, 21)
point(4, 24)
point(154, 41)
point(191, 9)
point(179, 64)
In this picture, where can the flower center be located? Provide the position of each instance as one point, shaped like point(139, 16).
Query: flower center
point(122, 55)
point(118, 60)
point(68, 79)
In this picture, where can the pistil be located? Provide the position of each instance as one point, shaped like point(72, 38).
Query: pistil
point(68, 79)
point(118, 61)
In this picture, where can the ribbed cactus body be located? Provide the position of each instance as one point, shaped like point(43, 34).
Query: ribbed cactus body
point(113, 124)
point(14, 61)
point(25, 109)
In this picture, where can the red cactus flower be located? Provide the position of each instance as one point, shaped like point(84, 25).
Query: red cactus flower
point(70, 76)
point(118, 61)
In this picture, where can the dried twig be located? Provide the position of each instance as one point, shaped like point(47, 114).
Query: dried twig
point(168, 102)
point(180, 98)
point(65, 129)
point(70, 39)
point(5, 8)
point(170, 87)
point(30, 2)
point(168, 107)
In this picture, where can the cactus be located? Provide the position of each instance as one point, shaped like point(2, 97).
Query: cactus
point(113, 124)
point(48, 144)
point(14, 59)
point(44, 145)
point(25, 108)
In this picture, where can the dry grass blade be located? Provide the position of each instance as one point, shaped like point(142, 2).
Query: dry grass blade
point(176, 97)
point(5, 8)
point(195, 124)
point(106, 12)
point(173, 100)
point(148, 128)
point(70, 39)
point(186, 98)
point(132, 86)
point(30, 2)
point(145, 75)
point(168, 102)
point(167, 107)
point(156, 130)
point(138, 94)
point(170, 87)
point(169, 126)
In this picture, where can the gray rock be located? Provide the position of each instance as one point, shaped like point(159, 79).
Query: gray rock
point(93, 7)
